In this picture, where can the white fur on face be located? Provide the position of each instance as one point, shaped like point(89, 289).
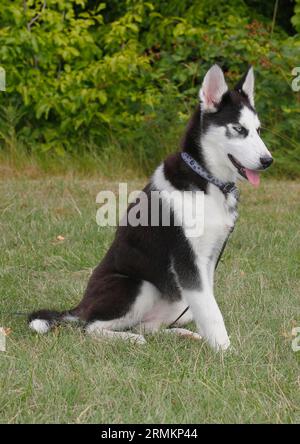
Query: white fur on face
point(250, 149)
point(249, 120)
point(247, 150)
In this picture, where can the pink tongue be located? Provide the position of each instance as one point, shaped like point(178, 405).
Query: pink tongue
point(253, 177)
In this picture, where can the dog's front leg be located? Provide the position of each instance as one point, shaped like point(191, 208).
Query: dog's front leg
point(206, 313)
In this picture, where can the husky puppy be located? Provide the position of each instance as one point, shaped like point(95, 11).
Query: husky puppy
point(157, 276)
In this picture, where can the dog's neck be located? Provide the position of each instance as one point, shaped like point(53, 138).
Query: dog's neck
point(215, 165)
point(224, 187)
point(204, 151)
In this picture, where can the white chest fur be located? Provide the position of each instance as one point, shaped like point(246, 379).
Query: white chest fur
point(219, 216)
point(220, 212)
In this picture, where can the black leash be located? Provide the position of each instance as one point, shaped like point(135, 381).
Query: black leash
point(180, 316)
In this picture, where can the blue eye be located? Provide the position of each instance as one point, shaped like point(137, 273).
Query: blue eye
point(239, 129)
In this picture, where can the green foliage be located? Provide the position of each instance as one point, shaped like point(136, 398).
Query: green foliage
point(296, 17)
point(82, 73)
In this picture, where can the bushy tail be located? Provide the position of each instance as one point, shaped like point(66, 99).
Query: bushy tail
point(43, 320)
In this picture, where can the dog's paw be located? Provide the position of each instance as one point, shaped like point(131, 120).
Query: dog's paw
point(222, 346)
point(184, 333)
point(219, 340)
point(136, 339)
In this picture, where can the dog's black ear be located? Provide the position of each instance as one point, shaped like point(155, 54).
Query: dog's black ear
point(213, 88)
point(246, 85)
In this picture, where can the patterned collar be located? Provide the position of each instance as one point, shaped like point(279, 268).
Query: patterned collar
point(225, 187)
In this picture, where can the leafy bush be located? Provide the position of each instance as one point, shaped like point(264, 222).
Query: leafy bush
point(296, 17)
point(82, 74)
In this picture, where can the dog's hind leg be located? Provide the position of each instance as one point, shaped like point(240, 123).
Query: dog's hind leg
point(106, 316)
point(100, 329)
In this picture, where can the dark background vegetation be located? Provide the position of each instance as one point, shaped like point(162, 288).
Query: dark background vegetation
point(118, 79)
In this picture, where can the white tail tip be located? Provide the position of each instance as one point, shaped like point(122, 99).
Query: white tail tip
point(40, 326)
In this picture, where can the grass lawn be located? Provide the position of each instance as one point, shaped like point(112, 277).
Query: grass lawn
point(70, 378)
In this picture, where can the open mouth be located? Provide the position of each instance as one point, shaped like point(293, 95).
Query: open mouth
point(251, 175)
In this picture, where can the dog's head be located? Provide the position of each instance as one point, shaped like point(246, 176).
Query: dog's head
point(230, 135)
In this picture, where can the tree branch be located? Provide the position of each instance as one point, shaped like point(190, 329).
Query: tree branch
point(34, 19)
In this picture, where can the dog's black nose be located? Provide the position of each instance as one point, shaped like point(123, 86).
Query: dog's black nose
point(266, 161)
